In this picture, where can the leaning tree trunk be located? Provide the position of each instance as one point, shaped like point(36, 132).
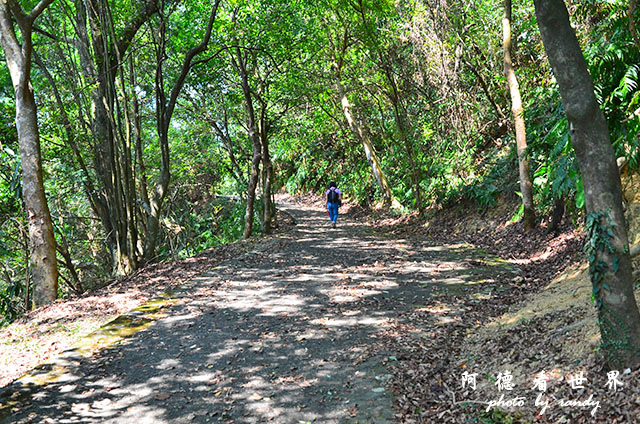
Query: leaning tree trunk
point(526, 188)
point(416, 173)
point(610, 262)
point(404, 128)
point(42, 244)
point(369, 151)
point(41, 240)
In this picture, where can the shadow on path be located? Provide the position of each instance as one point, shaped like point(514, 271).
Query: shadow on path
point(287, 334)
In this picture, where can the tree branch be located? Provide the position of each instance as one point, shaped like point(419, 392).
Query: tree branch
point(36, 11)
point(186, 66)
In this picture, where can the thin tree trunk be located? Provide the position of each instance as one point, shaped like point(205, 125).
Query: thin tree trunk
point(610, 269)
point(632, 22)
point(556, 216)
point(267, 181)
point(254, 174)
point(526, 188)
point(141, 175)
point(102, 70)
point(369, 151)
point(128, 176)
point(485, 88)
point(240, 64)
point(76, 286)
point(416, 173)
point(164, 114)
point(338, 51)
point(234, 169)
point(42, 244)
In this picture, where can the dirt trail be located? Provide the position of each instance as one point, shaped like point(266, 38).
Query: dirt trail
point(286, 334)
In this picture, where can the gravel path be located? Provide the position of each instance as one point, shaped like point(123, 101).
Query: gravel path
point(286, 334)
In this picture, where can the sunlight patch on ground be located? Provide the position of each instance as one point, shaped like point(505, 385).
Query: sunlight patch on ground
point(447, 320)
point(267, 299)
point(437, 309)
point(381, 284)
point(353, 296)
point(349, 322)
point(232, 347)
point(303, 278)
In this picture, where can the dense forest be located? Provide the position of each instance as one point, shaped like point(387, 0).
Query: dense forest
point(140, 131)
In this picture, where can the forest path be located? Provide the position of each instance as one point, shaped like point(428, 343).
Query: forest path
point(290, 333)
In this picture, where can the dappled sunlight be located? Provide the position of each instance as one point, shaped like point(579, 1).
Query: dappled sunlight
point(353, 296)
point(352, 322)
point(286, 334)
point(436, 309)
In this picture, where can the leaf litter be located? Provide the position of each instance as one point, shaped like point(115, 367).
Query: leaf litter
point(541, 321)
point(43, 333)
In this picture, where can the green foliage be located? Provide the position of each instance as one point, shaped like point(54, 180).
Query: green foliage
point(10, 182)
point(499, 416)
point(616, 342)
point(11, 301)
point(193, 227)
point(13, 269)
point(613, 62)
point(599, 234)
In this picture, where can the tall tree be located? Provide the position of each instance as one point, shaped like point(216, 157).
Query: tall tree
point(18, 54)
point(385, 58)
point(101, 50)
point(263, 50)
point(165, 107)
point(338, 52)
point(526, 188)
point(240, 61)
point(610, 262)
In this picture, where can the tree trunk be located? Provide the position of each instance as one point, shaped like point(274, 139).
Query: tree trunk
point(416, 172)
point(526, 188)
point(42, 244)
point(399, 113)
point(41, 240)
point(404, 128)
point(485, 87)
point(556, 216)
point(267, 172)
point(610, 261)
point(254, 174)
point(114, 168)
point(368, 148)
point(164, 113)
point(240, 65)
point(222, 130)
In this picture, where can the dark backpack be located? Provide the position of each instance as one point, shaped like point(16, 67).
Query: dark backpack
point(333, 197)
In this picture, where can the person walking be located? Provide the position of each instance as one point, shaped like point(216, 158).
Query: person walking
point(334, 201)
